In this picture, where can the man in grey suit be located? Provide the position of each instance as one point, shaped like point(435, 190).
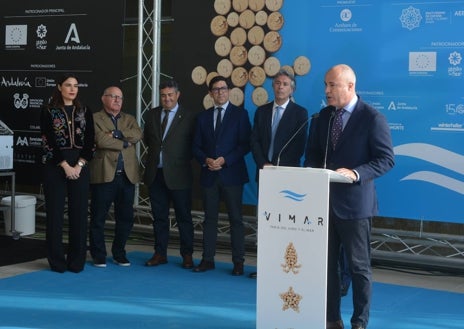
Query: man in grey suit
point(280, 128)
point(168, 134)
point(114, 171)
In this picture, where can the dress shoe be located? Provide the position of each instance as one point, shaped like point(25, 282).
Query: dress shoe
point(204, 266)
point(187, 262)
point(334, 325)
point(156, 260)
point(238, 268)
point(253, 275)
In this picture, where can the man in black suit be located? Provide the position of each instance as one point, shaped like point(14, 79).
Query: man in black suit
point(222, 139)
point(168, 173)
point(361, 149)
point(280, 130)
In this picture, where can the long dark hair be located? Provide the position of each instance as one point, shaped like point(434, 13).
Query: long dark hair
point(57, 100)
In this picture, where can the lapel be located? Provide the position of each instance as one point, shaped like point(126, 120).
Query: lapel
point(107, 121)
point(175, 121)
point(209, 117)
point(268, 120)
point(350, 125)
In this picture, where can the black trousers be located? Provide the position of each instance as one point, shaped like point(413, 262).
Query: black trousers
point(56, 188)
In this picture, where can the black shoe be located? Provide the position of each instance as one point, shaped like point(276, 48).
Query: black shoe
point(204, 266)
point(121, 261)
point(253, 275)
point(99, 262)
point(335, 325)
point(238, 269)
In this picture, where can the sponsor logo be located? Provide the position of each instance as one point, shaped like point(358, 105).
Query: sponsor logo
point(423, 61)
point(14, 82)
point(22, 141)
point(72, 40)
point(410, 18)
point(455, 60)
point(398, 106)
point(15, 36)
point(41, 32)
point(21, 103)
point(454, 109)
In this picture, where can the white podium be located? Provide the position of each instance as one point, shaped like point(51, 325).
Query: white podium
point(293, 207)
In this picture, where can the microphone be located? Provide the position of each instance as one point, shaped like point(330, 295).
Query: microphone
point(332, 115)
point(294, 135)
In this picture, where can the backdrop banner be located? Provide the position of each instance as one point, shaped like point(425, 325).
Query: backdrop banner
point(408, 61)
point(40, 41)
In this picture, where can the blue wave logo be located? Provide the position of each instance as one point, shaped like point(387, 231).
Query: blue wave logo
point(293, 195)
point(438, 156)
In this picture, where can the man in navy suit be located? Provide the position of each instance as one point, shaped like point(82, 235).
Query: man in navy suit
point(287, 145)
point(362, 150)
point(280, 128)
point(221, 141)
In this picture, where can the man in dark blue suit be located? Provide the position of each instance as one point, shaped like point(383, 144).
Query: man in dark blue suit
point(286, 146)
point(280, 128)
point(361, 149)
point(221, 141)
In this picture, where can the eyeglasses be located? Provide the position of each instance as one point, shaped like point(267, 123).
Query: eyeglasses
point(116, 97)
point(218, 90)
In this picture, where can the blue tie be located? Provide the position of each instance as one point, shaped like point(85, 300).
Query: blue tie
point(337, 127)
point(275, 124)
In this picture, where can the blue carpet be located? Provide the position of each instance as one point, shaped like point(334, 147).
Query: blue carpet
point(169, 297)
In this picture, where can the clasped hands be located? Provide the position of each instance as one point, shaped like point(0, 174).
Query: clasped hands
point(215, 164)
point(72, 173)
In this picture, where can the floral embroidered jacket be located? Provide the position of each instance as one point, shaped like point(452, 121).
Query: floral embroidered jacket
point(60, 132)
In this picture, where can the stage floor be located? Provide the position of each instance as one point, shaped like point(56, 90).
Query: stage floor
point(170, 297)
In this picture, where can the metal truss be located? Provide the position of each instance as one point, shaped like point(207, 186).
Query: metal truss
point(148, 69)
point(418, 249)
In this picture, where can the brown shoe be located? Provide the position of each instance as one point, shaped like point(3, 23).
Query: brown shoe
point(335, 325)
point(204, 266)
point(156, 260)
point(187, 262)
point(238, 268)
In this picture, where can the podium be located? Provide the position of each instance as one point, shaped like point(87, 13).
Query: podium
point(293, 211)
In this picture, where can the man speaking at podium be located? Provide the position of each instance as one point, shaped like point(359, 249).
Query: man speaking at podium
point(353, 139)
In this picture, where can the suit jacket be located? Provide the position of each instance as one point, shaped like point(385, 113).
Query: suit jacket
point(232, 143)
point(103, 165)
point(365, 145)
point(295, 117)
point(177, 148)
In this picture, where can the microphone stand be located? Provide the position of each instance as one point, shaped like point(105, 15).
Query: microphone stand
point(291, 138)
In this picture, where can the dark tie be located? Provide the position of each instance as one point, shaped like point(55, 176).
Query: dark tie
point(337, 127)
point(275, 124)
point(164, 123)
point(218, 120)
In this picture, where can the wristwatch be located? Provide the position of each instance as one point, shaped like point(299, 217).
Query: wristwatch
point(81, 163)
